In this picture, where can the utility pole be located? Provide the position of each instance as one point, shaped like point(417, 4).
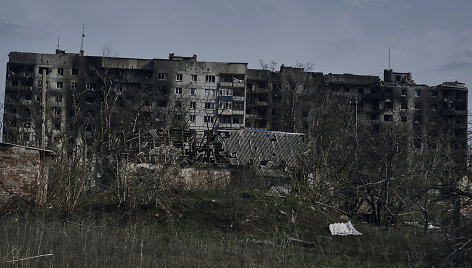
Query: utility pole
point(357, 140)
point(43, 110)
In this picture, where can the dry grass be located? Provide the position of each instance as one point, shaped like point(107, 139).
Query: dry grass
point(209, 229)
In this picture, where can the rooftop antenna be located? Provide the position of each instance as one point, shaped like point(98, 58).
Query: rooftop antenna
point(58, 43)
point(83, 35)
point(389, 57)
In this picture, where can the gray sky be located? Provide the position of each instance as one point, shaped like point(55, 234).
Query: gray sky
point(432, 39)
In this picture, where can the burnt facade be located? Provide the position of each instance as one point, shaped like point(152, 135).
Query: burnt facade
point(71, 95)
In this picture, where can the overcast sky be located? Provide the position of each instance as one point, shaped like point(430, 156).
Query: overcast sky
point(432, 39)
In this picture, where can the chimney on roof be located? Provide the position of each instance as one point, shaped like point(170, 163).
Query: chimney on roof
point(171, 56)
point(81, 52)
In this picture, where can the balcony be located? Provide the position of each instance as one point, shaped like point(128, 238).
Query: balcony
point(231, 84)
point(226, 84)
point(225, 98)
point(230, 126)
point(225, 111)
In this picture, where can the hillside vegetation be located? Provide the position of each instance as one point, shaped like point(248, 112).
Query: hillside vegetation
point(224, 228)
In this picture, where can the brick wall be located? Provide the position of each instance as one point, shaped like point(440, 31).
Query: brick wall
point(20, 173)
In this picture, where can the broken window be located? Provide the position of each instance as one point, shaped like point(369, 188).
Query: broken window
point(387, 117)
point(236, 120)
point(225, 105)
point(210, 78)
point(162, 103)
point(193, 105)
point(417, 93)
point(388, 105)
point(162, 76)
point(226, 92)
point(60, 71)
point(75, 71)
point(249, 86)
point(178, 77)
point(417, 143)
point(162, 90)
point(209, 105)
point(209, 92)
point(192, 91)
point(90, 86)
point(73, 85)
point(27, 83)
point(57, 111)
point(194, 78)
point(191, 118)
point(404, 105)
point(59, 85)
point(225, 119)
point(59, 98)
point(178, 90)
point(434, 93)
point(404, 92)
point(28, 96)
point(238, 106)
point(208, 119)
point(459, 108)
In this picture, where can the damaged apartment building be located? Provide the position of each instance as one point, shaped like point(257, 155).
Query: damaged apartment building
point(70, 95)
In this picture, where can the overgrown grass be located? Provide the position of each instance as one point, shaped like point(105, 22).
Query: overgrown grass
point(210, 229)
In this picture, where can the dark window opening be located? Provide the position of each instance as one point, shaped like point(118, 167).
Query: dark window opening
point(210, 78)
point(388, 117)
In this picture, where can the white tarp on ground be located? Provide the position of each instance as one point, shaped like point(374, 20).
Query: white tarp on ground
point(343, 229)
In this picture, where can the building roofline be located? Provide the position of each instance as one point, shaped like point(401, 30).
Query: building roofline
point(28, 147)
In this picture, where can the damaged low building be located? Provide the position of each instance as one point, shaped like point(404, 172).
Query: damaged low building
point(24, 173)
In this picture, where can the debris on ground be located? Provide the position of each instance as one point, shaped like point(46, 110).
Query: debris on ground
point(343, 229)
point(417, 224)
